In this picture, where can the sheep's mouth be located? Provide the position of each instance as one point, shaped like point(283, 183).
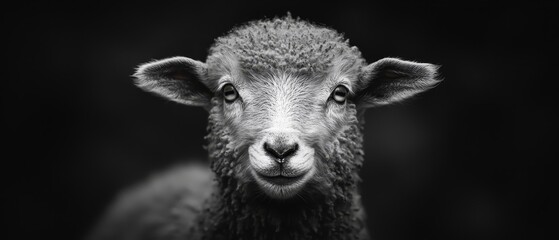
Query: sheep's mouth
point(282, 186)
point(282, 180)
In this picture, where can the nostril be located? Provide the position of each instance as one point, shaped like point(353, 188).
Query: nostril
point(289, 150)
point(281, 151)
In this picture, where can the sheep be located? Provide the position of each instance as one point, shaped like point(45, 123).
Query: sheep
point(286, 101)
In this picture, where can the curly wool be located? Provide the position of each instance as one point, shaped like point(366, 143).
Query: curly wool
point(329, 212)
point(286, 44)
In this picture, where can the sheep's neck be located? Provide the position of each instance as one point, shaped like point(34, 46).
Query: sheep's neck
point(239, 217)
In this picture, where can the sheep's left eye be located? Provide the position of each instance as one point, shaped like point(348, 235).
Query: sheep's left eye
point(340, 94)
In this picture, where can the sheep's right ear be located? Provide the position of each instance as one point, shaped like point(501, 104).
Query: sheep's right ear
point(179, 79)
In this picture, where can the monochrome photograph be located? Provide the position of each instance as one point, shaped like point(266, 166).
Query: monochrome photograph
point(381, 120)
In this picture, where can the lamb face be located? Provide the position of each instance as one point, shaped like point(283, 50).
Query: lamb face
point(279, 121)
point(279, 93)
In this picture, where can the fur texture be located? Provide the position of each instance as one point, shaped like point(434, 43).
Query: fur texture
point(280, 82)
point(285, 44)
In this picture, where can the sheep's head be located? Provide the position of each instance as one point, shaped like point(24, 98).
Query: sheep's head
point(283, 96)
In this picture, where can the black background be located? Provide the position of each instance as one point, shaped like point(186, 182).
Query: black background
point(470, 159)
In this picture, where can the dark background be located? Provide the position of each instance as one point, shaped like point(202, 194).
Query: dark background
point(470, 159)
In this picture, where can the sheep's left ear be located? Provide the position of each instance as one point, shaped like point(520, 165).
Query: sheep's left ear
point(179, 79)
point(390, 79)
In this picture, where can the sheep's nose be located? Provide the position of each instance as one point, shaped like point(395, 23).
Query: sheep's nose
point(280, 150)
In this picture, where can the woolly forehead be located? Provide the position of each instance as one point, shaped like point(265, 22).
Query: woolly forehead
point(285, 44)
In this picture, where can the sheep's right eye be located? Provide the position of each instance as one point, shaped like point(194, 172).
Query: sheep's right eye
point(230, 94)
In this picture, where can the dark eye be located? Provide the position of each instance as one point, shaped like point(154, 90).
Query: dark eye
point(340, 94)
point(230, 93)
